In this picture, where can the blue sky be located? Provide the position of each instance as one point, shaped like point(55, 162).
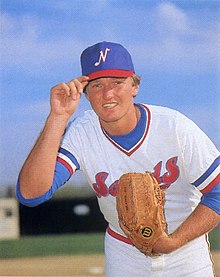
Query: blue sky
point(174, 45)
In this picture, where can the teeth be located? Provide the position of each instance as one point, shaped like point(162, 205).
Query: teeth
point(109, 105)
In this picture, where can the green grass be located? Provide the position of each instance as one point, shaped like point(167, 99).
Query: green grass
point(214, 238)
point(52, 245)
point(67, 245)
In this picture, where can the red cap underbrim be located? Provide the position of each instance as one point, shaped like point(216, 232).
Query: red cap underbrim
point(110, 73)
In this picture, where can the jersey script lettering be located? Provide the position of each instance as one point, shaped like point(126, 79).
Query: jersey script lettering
point(172, 174)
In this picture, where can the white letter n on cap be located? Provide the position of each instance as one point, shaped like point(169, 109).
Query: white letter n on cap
point(102, 56)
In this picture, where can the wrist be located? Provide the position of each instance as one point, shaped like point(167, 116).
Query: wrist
point(61, 120)
point(56, 124)
point(178, 241)
point(167, 244)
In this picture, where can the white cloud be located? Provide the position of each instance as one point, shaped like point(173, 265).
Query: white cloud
point(177, 41)
point(173, 17)
point(25, 50)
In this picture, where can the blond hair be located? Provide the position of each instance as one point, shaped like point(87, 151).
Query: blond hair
point(136, 79)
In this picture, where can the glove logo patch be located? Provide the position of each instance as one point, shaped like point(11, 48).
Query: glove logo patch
point(147, 232)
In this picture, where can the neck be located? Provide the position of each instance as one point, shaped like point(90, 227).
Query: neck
point(122, 126)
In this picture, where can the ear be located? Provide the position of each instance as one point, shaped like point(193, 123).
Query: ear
point(135, 90)
point(87, 95)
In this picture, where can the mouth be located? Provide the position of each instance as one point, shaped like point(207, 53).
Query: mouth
point(109, 105)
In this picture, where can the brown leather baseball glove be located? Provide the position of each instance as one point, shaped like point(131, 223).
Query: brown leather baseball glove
point(140, 206)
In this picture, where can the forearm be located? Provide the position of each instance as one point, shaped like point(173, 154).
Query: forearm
point(202, 220)
point(37, 172)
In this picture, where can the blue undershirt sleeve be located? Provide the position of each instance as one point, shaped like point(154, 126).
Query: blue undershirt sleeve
point(61, 176)
point(212, 199)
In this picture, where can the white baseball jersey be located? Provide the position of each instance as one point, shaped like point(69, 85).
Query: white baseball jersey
point(164, 142)
point(182, 158)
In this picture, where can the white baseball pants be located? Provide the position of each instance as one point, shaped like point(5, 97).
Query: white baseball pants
point(192, 260)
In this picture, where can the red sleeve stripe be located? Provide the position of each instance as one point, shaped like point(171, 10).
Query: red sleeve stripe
point(63, 162)
point(211, 185)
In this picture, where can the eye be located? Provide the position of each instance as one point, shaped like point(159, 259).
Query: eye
point(118, 82)
point(96, 85)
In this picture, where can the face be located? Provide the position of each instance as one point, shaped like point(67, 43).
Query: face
point(112, 99)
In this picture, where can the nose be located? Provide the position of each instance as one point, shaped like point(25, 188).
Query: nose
point(107, 92)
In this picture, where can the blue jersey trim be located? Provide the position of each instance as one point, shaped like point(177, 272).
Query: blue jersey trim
point(208, 172)
point(61, 176)
point(70, 156)
point(31, 202)
point(131, 139)
point(212, 199)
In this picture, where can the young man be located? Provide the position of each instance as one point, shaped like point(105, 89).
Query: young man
point(119, 136)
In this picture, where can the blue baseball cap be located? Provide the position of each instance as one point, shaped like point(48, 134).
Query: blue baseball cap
point(106, 59)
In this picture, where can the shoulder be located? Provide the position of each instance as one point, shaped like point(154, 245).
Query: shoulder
point(170, 119)
point(164, 114)
point(162, 111)
point(83, 125)
point(89, 118)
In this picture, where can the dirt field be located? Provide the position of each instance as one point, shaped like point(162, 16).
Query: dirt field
point(91, 265)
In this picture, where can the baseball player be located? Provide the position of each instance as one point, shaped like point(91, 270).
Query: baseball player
point(119, 136)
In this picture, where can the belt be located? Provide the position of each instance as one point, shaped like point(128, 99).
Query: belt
point(118, 236)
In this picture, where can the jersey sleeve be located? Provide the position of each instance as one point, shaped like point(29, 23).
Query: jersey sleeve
point(212, 199)
point(66, 165)
point(201, 161)
point(210, 178)
point(62, 174)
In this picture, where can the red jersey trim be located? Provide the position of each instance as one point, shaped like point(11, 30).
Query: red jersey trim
point(63, 162)
point(211, 185)
point(133, 149)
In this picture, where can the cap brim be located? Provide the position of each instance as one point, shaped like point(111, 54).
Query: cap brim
point(110, 73)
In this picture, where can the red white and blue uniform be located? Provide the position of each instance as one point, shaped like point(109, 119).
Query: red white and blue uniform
point(181, 156)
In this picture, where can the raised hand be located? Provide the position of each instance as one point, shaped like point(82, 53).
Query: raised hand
point(65, 97)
